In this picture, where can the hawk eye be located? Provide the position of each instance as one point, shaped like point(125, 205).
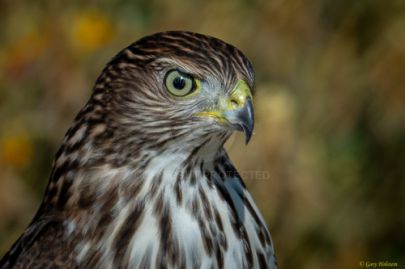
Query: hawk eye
point(179, 83)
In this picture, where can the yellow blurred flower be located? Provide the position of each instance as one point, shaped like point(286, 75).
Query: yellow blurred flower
point(16, 150)
point(91, 31)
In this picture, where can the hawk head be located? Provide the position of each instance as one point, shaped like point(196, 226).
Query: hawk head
point(175, 88)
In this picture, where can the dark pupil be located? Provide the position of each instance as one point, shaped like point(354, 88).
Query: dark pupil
point(179, 83)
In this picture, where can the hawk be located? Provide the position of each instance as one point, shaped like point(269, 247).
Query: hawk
point(142, 179)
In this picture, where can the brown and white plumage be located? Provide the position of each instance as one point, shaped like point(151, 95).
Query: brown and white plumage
point(141, 179)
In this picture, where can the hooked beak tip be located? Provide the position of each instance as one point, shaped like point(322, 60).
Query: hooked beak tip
point(248, 121)
point(244, 120)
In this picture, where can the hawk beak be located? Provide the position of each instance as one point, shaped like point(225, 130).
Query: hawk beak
point(235, 110)
point(239, 109)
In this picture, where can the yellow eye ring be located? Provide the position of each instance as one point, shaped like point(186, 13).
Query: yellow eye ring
point(179, 84)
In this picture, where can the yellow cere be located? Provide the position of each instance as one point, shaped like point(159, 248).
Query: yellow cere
point(238, 95)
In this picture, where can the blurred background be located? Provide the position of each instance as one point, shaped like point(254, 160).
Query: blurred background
point(326, 164)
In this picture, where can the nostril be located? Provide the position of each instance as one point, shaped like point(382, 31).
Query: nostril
point(234, 103)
